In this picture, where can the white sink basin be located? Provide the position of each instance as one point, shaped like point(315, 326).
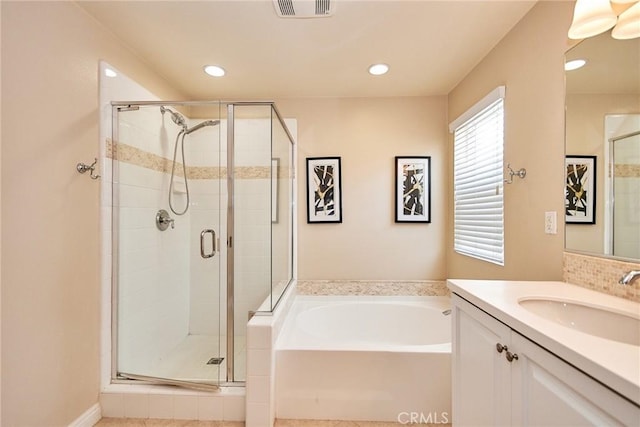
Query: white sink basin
point(592, 320)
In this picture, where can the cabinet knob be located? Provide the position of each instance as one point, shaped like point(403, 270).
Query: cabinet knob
point(500, 348)
point(511, 356)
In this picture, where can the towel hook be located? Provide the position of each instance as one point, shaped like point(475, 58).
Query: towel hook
point(82, 168)
point(520, 173)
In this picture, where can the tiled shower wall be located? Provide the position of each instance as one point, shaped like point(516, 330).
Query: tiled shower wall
point(207, 210)
point(153, 266)
point(252, 225)
point(154, 274)
point(252, 247)
point(627, 197)
point(203, 281)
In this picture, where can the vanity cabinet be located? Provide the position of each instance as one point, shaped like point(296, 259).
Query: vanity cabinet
point(502, 378)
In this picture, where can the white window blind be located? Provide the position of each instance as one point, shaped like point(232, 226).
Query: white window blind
point(478, 180)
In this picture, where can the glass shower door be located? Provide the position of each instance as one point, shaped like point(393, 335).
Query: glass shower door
point(168, 261)
point(625, 160)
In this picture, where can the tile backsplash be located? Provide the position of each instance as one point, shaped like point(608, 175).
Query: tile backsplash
point(373, 287)
point(600, 274)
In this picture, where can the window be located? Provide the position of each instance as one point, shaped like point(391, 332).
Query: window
point(478, 179)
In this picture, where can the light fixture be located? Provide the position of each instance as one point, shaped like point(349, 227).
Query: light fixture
point(378, 69)
point(590, 18)
point(214, 70)
point(628, 26)
point(574, 64)
point(110, 73)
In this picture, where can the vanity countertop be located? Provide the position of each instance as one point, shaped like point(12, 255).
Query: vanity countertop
point(613, 363)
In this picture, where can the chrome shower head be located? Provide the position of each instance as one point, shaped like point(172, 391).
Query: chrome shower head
point(176, 117)
point(201, 125)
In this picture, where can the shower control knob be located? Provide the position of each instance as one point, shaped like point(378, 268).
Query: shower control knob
point(163, 220)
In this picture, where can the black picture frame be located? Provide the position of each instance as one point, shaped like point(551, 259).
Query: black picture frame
point(324, 190)
point(413, 189)
point(580, 189)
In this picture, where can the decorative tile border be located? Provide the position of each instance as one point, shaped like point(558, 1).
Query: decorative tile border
point(627, 171)
point(128, 154)
point(600, 274)
point(135, 156)
point(373, 287)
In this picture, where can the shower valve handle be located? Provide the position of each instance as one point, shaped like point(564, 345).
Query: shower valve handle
point(163, 220)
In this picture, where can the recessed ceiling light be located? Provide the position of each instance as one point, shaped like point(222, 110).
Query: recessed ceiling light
point(109, 72)
point(214, 70)
point(574, 65)
point(378, 69)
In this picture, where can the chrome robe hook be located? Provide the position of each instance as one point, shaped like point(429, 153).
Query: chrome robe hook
point(82, 168)
point(520, 173)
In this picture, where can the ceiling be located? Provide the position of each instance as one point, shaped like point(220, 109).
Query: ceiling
point(613, 66)
point(430, 45)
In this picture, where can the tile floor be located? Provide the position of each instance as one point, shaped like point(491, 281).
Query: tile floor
point(133, 422)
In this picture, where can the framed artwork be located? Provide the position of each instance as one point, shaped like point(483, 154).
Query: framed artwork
point(324, 190)
point(580, 190)
point(413, 189)
point(275, 167)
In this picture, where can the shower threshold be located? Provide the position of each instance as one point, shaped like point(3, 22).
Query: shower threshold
point(202, 385)
point(198, 358)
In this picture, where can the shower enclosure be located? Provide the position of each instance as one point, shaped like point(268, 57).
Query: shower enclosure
point(624, 184)
point(202, 235)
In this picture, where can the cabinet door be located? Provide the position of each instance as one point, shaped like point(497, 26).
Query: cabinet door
point(549, 392)
point(481, 379)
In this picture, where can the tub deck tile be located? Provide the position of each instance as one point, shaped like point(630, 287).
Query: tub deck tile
point(373, 287)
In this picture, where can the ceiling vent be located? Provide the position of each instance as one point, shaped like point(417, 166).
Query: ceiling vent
point(304, 8)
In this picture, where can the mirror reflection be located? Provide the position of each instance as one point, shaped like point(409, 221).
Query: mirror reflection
point(603, 122)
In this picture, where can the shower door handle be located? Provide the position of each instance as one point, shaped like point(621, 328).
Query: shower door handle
point(203, 254)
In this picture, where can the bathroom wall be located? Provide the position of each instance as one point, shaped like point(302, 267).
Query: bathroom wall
point(50, 213)
point(586, 136)
point(368, 133)
point(529, 62)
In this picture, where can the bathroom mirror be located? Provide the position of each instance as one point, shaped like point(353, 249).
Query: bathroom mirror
point(602, 122)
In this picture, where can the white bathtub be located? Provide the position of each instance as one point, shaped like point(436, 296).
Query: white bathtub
point(364, 358)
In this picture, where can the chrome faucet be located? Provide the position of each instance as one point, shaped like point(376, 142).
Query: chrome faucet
point(629, 277)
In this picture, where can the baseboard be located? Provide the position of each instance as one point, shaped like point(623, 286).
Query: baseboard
point(90, 417)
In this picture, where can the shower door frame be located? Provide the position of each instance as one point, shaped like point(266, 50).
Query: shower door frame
point(116, 377)
point(230, 281)
point(616, 127)
point(610, 225)
point(231, 224)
